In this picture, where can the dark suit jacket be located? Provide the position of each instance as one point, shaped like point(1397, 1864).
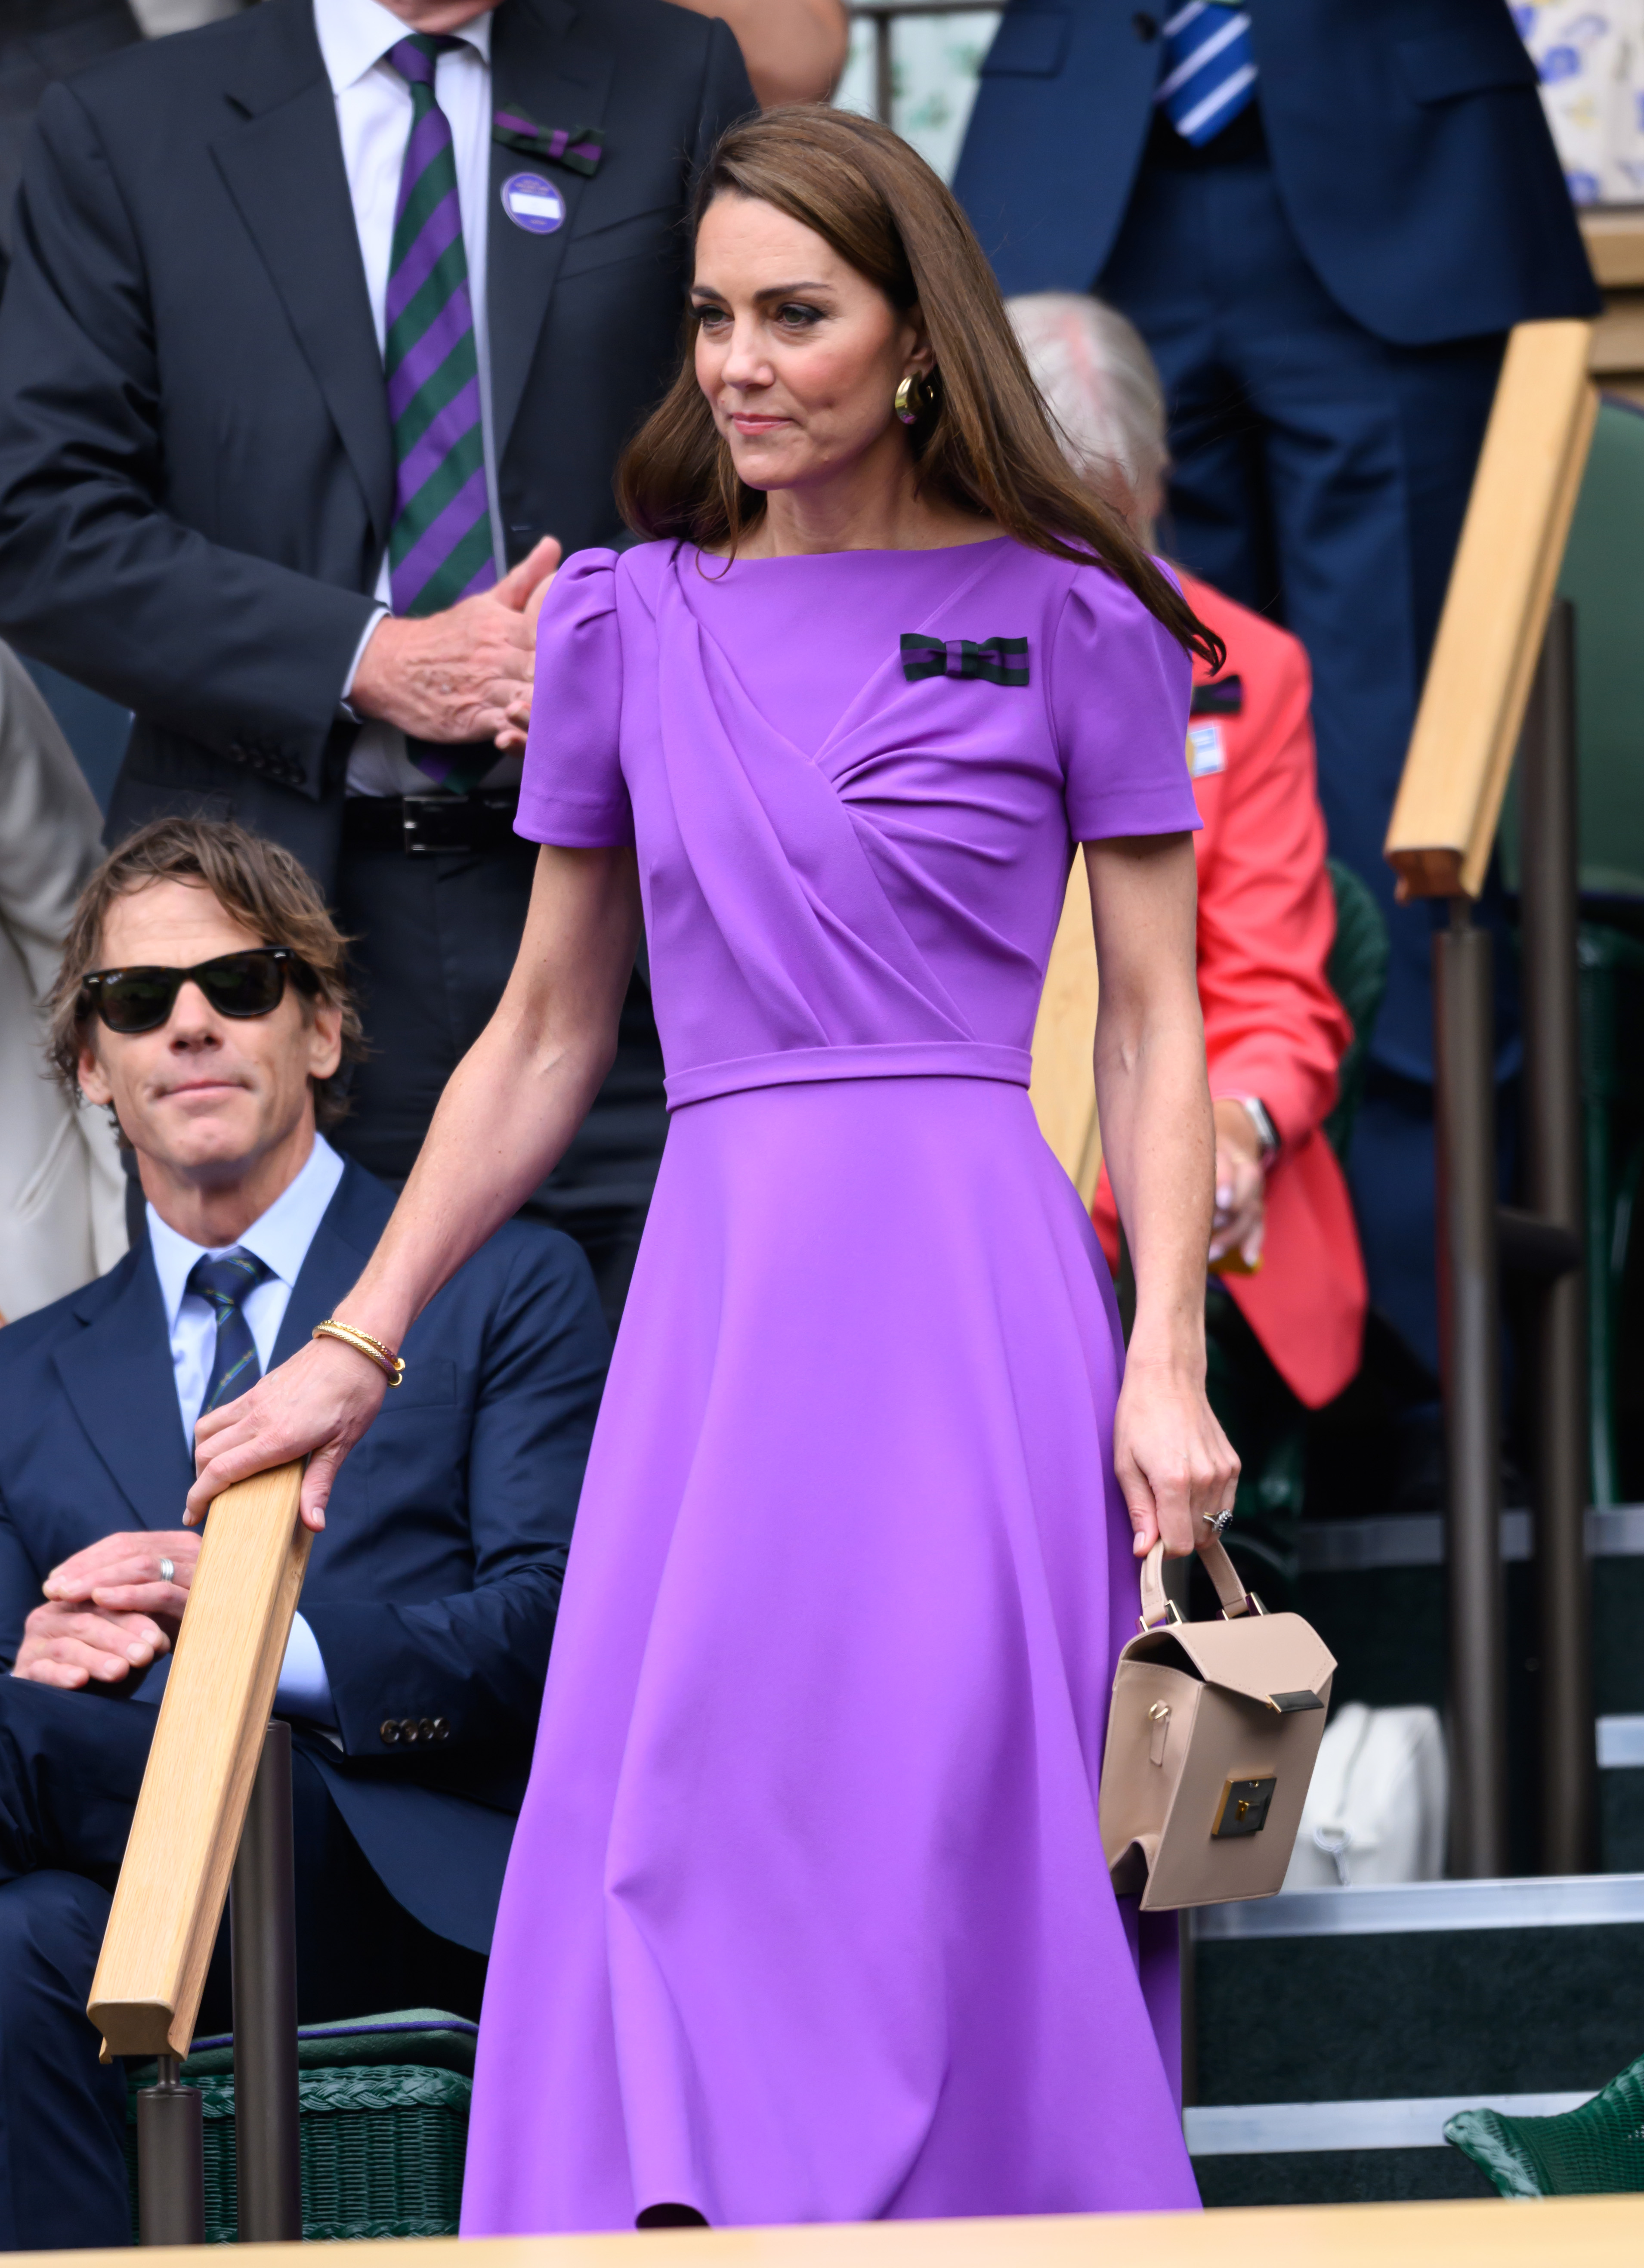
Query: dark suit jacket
point(196, 476)
point(433, 1587)
point(1406, 136)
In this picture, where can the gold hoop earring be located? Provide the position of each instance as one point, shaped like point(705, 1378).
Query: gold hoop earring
point(913, 398)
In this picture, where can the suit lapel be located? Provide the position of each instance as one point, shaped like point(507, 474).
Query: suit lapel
point(282, 165)
point(117, 1374)
point(341, 1245)
point(545, 63)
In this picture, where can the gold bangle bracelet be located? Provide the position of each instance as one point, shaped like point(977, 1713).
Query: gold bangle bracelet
point(386, 1360)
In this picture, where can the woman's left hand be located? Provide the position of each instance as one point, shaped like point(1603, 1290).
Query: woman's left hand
point(1174, 1467)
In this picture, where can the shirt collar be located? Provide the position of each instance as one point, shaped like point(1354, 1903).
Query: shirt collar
point(280, 1237)
point(355, 35)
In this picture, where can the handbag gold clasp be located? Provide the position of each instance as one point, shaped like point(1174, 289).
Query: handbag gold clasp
point(1172, 1614)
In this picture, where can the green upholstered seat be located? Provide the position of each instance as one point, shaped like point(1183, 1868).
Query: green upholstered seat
point(1358, 977)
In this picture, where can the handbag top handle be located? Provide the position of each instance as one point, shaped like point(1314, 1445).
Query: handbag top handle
point(1235, 1599)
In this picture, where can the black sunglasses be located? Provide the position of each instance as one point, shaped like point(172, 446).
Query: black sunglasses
point(249, 983)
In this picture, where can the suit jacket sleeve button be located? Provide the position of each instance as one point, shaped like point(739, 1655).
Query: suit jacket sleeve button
point(407, 1729)
point(442, 1728)
point(1146, 28)
point(425, 1730)
point(389, 1731)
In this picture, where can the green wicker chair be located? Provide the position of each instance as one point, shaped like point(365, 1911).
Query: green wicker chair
point(384, 2126)
point(1596, 2149)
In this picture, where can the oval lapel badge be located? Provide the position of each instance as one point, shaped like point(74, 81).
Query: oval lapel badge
point(532, 203)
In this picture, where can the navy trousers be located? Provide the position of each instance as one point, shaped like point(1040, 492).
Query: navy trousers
point(1320, 476)
point(70, 1766)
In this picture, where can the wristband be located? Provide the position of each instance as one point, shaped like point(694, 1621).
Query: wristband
point(385, 1357)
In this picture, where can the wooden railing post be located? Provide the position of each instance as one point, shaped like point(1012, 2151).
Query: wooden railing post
point(1474, 707)
point(1549, 858)
point(185, 1832)
point(1470, 1354)
point(263, 1919)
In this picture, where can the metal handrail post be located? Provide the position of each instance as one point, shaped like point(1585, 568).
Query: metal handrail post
point(262, 1919)
point(1553, 1135)
point(171, 2160)
point(1465, 1067)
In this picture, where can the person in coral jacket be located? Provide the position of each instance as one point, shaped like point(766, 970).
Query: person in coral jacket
point(1285, 1248)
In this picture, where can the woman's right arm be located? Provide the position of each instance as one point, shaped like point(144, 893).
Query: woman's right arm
point(503, 1122)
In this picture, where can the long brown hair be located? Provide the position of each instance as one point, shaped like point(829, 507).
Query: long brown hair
point(985, 443)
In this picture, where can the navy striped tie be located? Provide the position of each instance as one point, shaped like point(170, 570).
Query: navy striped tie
point(223, 1284)
point(1209, 68)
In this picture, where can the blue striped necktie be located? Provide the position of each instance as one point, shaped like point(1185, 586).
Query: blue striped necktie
point(224, 1285)
point(1210, 71)
point(439, 546)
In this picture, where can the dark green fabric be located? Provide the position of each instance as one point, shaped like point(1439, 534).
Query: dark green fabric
point(1598, 2149)
point(1357, 970)
point(384, 2126)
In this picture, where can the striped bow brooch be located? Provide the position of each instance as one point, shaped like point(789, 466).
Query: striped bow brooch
point(999, 660)
point(578, 147)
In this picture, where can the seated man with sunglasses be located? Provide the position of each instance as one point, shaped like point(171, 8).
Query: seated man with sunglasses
point(203, 998)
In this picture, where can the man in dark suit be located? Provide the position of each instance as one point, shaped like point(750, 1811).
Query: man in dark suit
point(415, 1674)
point(1323, 215)
point(325, 326)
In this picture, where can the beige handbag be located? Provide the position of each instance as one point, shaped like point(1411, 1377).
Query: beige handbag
point(1211, 1743)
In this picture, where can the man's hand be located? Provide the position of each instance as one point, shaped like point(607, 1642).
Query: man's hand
point(1240, 1220)
point(458, 675)
point(109, 1610)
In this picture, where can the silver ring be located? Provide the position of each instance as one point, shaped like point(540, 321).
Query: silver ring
point(168, 1574)
point(1216, 1521)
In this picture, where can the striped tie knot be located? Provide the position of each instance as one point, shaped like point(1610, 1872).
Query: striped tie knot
point(1210, 69)
point(415, 56)
point(224, 1284)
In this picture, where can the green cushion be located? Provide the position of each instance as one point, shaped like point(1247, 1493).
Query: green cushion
point(1357, 971)
point(1597, 2149)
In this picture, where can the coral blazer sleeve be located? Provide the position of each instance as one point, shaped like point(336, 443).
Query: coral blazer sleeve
point(1273, 1026)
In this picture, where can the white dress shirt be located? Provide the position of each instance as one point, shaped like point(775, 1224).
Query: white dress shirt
point(373, 107)
point(280, 1237)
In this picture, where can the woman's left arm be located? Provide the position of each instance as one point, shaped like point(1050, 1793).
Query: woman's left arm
point(1175, 1466)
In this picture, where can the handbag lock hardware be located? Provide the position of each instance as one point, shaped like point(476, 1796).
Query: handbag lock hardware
point(1172, 1614)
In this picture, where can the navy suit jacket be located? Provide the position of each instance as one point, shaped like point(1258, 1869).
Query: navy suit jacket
point(1406, 138)
point(433, 1587)
point(196, 464)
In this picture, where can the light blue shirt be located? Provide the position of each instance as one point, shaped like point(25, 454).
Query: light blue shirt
point(280, 1237)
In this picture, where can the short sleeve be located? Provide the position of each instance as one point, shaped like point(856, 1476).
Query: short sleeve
point(1119, 686)
point(572, 791)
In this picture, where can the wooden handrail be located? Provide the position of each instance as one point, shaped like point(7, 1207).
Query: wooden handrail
point(1495, 611)
point(1063, 1088)
point(212, 1718)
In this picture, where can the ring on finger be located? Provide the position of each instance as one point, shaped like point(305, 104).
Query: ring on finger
point(168, 1572)
point(1216, 1521)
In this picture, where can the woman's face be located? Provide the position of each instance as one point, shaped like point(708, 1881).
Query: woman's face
point(799, 355)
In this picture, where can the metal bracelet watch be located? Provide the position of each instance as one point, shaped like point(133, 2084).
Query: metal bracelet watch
point(1260, 1118)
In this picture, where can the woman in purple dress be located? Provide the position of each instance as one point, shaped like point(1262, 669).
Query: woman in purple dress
point(807, 1917)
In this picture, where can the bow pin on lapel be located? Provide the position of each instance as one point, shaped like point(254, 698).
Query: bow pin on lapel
point(1000, 660)
point(578, 147)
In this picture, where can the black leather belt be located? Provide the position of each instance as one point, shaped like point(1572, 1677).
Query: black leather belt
point(422, 825)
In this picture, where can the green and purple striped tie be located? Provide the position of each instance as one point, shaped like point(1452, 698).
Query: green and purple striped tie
point(439, 546)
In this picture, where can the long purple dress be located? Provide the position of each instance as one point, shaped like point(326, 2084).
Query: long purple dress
point(807, 1917)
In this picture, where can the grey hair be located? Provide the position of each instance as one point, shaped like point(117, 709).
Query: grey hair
point(1099, 384)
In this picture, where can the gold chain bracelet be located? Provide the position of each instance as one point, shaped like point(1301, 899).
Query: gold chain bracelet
point(363, 1343)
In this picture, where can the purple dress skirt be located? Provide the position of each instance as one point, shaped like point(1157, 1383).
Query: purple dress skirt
point(807, 1917)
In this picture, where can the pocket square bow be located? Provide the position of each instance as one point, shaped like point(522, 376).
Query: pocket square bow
point(999, 660)
point(578, 147)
